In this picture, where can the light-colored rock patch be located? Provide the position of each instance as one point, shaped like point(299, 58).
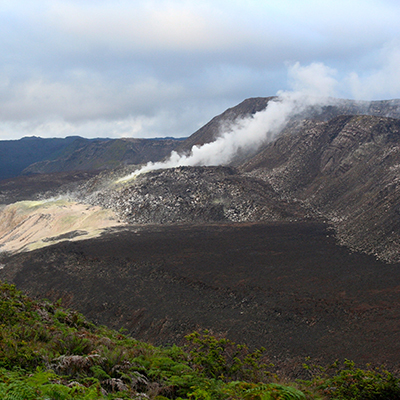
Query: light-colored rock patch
point(29, 225)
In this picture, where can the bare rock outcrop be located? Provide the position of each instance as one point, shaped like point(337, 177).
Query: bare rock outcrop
point(197, 195)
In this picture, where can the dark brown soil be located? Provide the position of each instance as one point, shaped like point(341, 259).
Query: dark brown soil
point(285, 286)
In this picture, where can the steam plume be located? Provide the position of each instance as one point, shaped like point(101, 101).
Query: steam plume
point(313, 85)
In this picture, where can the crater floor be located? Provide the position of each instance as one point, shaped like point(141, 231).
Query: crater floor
point(286, 286)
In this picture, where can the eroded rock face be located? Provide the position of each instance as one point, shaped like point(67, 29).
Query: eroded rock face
point(29, 225)
point(196, 195)
point(347, 170)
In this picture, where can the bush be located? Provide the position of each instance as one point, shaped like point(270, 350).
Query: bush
point(343, 382)
point(224, 359)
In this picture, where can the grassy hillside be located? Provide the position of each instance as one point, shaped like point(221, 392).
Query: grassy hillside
point(48, 352)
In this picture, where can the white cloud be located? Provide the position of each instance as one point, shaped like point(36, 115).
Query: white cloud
point(382, 81)
point(144, 25)
point(83, 97)
point(174, 64)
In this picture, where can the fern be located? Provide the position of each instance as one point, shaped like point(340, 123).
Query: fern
point(20, 391)
point(274, 391)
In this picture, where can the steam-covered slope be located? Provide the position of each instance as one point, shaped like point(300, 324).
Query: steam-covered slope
point(210, 131)
point(346, 169)
point(247, 108)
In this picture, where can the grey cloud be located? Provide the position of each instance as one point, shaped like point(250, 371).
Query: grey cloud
point(159, 67)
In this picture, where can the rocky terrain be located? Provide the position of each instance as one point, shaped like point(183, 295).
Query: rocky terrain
point(343, 171)
point(196, 195)
point(347, 170)
point(286, 286)
point(295, 247)
point(42, 186)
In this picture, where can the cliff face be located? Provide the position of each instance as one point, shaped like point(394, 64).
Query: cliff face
point(347, 170)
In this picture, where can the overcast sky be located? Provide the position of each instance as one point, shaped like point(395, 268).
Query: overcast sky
point(156, 68)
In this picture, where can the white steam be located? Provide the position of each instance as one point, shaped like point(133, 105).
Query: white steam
point(313, 85)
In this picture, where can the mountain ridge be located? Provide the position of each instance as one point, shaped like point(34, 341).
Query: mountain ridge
point(34, 155)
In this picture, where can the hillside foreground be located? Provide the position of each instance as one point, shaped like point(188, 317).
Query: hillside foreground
point(49, 352)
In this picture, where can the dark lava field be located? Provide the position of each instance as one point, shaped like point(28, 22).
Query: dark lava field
point(285, 286)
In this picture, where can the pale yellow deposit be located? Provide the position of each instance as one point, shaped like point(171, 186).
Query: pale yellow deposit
point(28, 225)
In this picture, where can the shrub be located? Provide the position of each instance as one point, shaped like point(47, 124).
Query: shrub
point(224, 359)
point(345, 381)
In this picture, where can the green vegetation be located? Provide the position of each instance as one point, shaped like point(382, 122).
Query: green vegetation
point(51, 353)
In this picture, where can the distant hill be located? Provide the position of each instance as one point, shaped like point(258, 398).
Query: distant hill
point(33, 155)
point(85, 155)
point(16, 155)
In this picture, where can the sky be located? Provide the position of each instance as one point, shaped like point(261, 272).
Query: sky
point(159, 68)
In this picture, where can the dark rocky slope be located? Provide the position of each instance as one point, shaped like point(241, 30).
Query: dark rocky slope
point(195, 195)
point(344, 171)
point(39, 186)
point(347, 170)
